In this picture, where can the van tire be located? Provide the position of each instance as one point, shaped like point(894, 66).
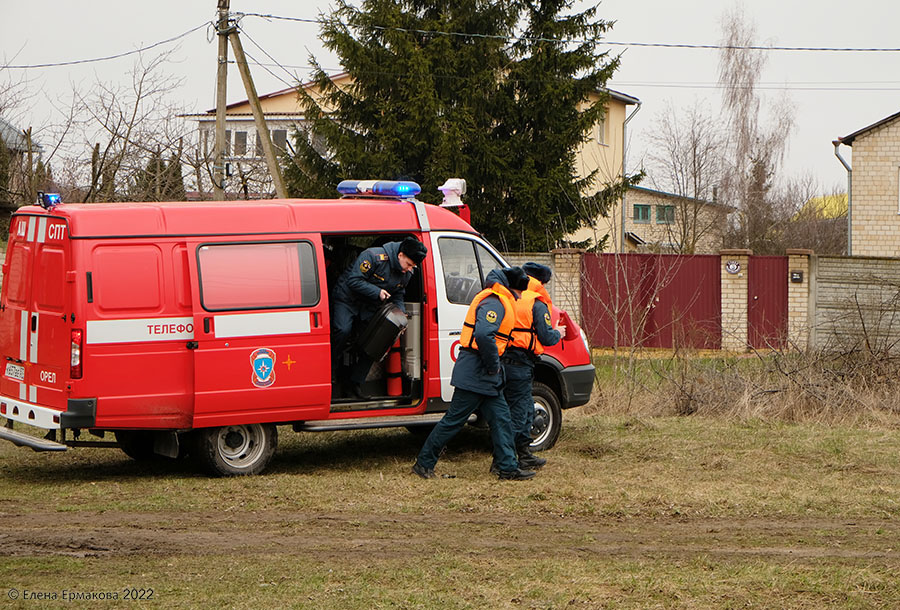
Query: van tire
point(136, 444)
point(236, 450)
point(547, 417)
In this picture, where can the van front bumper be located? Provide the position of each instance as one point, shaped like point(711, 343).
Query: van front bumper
point(577, 383)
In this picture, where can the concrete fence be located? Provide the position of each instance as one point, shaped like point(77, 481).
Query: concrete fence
point(833, 302)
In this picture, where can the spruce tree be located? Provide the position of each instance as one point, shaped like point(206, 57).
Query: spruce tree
point(496, 93)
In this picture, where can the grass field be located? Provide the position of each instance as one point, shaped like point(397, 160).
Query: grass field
point(662, 512)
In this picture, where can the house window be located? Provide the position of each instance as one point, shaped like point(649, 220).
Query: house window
point(227, 142)
point(665, 214)
point(601, 130)
point(240, 143)
point(641, 213)
point(279, 138)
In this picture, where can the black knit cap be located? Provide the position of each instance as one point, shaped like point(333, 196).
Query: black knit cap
point(414, 249)
point(541, 273)
point(516, 278)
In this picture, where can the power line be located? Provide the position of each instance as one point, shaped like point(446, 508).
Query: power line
point(663, 45)
point(108, 57)
point(761, 86)
point(266, 53)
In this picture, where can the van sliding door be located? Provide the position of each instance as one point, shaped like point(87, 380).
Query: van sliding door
point(261, 329)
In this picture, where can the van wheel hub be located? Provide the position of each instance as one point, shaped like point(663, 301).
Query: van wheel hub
point(234, 439)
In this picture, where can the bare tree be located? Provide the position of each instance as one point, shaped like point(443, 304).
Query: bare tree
point(819, 219)
point(755, 146)
point(23, 168)
point(686, 160)
point(118, 136)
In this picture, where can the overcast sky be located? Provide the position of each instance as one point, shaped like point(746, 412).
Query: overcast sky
point(834, 93)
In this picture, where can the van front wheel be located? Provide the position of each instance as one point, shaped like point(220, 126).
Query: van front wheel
point(547, 417)
point(236, 450)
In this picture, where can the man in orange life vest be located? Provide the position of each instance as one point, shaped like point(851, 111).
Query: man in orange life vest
point(532, 332)
point(478, 376)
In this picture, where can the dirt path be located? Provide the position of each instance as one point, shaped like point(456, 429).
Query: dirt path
point(329, 536)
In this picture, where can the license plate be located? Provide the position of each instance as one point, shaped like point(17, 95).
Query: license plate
point(15, 371)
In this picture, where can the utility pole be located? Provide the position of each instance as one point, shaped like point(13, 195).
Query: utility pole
point(258, 118)
point(221, 83)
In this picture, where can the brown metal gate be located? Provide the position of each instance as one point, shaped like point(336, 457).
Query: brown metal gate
point(652, 300)
point(767, 302)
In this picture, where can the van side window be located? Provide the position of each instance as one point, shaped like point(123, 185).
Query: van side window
point(128, 278)
point(466, 264)
point(487, 261)
point(257, 276)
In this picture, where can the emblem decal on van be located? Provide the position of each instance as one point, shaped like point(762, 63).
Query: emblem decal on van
point(263, 363)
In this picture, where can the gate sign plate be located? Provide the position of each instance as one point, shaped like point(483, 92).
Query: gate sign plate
point(733, 267)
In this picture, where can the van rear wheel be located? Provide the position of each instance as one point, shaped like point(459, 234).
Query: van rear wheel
point(236, 450)
point(136, 444)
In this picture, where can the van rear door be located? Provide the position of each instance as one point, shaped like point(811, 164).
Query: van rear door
point(36, 325)
point(261, 326)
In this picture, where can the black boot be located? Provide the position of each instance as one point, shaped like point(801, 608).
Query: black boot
point(516, 475)
point(529, 460)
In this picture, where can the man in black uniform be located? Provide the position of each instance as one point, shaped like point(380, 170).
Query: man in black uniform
point(379, 274)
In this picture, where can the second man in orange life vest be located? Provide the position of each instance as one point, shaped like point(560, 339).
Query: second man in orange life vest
point(533, 331)
point(478, 377)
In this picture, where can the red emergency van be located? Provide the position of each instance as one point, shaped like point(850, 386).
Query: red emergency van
point(200, 328)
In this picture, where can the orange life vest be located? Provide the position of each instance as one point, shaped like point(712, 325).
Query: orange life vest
point(502, 336)
point(523, 335)
point(536, 286)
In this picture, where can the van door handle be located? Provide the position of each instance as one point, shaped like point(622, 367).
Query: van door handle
point(34, 317)
point(206, 325)
point(315, 319)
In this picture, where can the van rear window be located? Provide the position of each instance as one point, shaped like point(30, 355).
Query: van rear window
point(19, 273)
point(49, 290)
point(258, 276)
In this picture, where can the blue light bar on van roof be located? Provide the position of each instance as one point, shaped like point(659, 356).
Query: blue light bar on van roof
point(49, 201)
point(382, 188)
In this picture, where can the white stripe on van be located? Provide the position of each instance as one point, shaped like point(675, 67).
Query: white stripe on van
point(32, 355)
point(23, 391)
point(23, 335)
point(41, 231)
point(144, 329)
point(32, 221)
point(257, 324)
point(32, 393)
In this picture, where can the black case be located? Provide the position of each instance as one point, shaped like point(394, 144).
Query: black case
point(381, 333)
